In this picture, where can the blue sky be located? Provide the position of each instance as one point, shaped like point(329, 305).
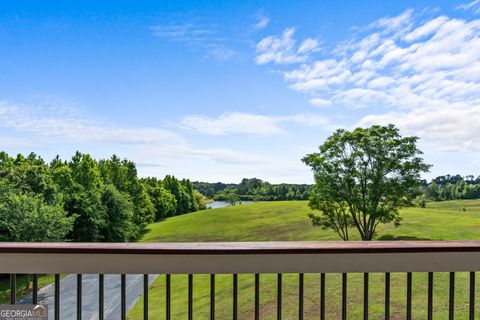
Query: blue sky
point(220, 90)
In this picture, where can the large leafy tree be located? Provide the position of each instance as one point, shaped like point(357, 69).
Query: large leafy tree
point(85, 199)
point(163, 200)
point(230, 196)
point(82, 196)
point(183, 192)
point(26, 217)
point(123, 175)
point(119, 213)
point(28, 174)
point(362, 177)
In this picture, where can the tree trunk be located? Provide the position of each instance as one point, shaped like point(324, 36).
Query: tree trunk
point(367, 237)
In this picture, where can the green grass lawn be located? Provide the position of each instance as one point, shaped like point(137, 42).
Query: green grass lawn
point(287, 220)
point(277, 221)
point(24, 285)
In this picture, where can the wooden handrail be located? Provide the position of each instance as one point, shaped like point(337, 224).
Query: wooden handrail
point(240, 257)
point(274, 247)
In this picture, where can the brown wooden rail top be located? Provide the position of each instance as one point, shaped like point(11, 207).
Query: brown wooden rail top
point(284, 247)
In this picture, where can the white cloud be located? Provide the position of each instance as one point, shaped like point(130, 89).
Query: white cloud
point(397, 23)
point(201, 37)
point(422, 74)
point(221, 53)
point(381, 82)
point(307, 119)
point(319, 102)
point(217, 155)
point(308, 45)
point(473, 5)
point(426, 29)
point(63, 124)
point(250, 124)
point(261, 22)
point(10, 142)
point(186, 32)
point(447, 128)
point(229, 123)
point(284, 49)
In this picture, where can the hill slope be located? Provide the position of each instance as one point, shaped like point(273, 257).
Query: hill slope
point(287, 220)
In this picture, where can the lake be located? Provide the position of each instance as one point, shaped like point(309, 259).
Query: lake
point(221, 204)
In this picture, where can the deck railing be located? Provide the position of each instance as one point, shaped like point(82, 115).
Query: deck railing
point(246, 258)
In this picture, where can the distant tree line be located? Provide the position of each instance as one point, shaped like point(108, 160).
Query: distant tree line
point(253, 189)
point(452, 187)
point(83, 199)
point(447, 187)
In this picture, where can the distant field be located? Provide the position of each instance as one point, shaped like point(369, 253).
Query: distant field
point(287, 220)
point(275, 221)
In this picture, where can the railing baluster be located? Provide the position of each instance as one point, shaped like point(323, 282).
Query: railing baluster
point(35, 289)
point(123, 296)
point(101, 296)
point(167, 296)
point(212, 296)
point(190, 297)
point(300, 296)
point(365, 296)
point(235, 296)
point(322, 296)
point(13, 288)
point(430, 297)
point(257, 296)
point(451, 297)
point(79, 296)
point(387, 296)
point(279, 296)
point(344, 296)
point(472, 295)
point(57, 297)
point(145, 296)
point(409, 296)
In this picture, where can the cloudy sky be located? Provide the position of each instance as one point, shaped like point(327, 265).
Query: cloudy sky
point(230, 89)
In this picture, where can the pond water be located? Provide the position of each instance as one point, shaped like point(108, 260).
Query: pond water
point(221, 204)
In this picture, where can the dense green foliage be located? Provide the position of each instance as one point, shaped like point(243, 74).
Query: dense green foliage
point(84, 199)
point(25, 217)
point(253, 189)
point(452, 188)
point(363, 177)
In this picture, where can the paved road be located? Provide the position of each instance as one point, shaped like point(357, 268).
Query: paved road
point(68, 296)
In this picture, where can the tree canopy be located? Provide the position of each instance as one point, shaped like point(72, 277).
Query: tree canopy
point(362, 177)
point(452, 187)
point(83, 199)
point(253, 189)
point(26, 217)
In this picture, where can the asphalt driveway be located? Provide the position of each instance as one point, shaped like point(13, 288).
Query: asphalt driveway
point(68, 296)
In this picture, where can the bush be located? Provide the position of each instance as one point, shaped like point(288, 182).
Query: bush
point(27, 218)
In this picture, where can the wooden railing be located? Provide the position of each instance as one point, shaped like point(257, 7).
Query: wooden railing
point(250, 258)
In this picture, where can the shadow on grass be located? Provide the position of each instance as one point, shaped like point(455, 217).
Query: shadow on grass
point(146, 230)
point(142, 233)
point(391, 237)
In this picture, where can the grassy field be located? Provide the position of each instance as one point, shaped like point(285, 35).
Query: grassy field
point(288, 221)
point(24, 285)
